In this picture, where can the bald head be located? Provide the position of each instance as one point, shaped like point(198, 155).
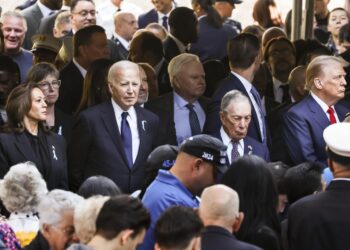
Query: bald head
point(219, 206)
point(125, 25)
point(271, 33)
point(297, 82)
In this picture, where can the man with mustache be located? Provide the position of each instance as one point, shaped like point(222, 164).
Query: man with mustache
point(305, 121)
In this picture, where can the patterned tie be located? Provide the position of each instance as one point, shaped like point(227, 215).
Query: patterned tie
point(332, 119)
point(125, 132)
point(194, 122)
point(165, 22)
point(257, 99)
point(234, 153)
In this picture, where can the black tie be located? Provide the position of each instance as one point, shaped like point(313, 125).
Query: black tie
point(285, 89)
point(165, 22)
point(194, 122)
point(125, 132)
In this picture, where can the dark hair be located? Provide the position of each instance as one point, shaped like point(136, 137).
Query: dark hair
point(277, 40)
point(242, 50)
point(338, 8)
point(212, 14)
point(149, 45)
point(39, 71)
point(344, 34)
point(254, 183)
point(98, 185)
point(262, 14)
point(19, 103)
point(302, 180)
point(120, 213)
point(177, 226)
point(10, 66)
point(2, 45)
point(74, 3)
point(83, 37)
point(304, 49)
point(278, 170)
point(95, 90)
point(183, 25)
point(152, 80)
point(215, 71)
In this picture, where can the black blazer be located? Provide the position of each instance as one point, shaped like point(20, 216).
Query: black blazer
point(63, 124)
point(213, 123)
point(47, 23)
point(163, 106)
point(16, 148)
point(170, 49)
point(38, 243)
point(321, 221)
point(71, 88)
point(96, 147)
point(215, 238)
point(120, 49)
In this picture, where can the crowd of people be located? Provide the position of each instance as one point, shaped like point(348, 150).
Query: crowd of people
point(172, 129)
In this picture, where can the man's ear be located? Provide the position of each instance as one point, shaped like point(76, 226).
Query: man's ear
point(45, 229)
point(318, 83)
point(125, 235)
point(196, 164)
point(238, 222)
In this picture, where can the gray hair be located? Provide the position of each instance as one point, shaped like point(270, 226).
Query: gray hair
point(176, 64)
point(22, 188)
point(118, 66)
point(232, 96)
point(316, 68)
point(219, 203)
point(16, 14)
point(85, 215)
point(53, 206)
point(63, 17)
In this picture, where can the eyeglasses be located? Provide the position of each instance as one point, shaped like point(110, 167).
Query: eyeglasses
point(85, 13)
point(45, 85)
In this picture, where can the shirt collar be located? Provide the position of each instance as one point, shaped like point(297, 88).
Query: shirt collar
point(159, 66)
point(323, 105)
point(80, 68)
point(124, 42)
point(44, 10)
point(226, 140)
point(180, 102)
point(277, 83)
point(247, 85)
point(179, 44)
point(118, 111)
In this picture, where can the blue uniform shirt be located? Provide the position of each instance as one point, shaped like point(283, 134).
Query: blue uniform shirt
point(165, 191)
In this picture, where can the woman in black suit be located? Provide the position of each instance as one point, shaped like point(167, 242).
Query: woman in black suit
point(25, 137)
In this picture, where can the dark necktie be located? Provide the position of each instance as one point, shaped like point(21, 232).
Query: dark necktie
point(234, 153)
point(257, 99)
point(285, 89)
point(332, 119)
point(165, 22)
point(125, 132)
point(194, 122)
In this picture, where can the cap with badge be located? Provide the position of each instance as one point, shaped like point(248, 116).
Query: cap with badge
point(46, 42)
point(208, 148)
point(230, 1)
point(337, 138)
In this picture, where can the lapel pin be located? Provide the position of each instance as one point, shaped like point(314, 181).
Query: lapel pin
point(54, 153)
point(143, 125)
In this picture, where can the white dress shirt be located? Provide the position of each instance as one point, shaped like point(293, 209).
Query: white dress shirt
point(80, 68)
point(124, 42)
point(324, 106)
point(132, 120)
point(277, 91)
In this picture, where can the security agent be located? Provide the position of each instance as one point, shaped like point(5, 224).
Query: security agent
point(200, 160)
point(322, 221)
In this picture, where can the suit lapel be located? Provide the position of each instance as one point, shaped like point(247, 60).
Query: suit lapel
point(23, 145)
point(110, 123)
point(142, 127)
point(317, 112)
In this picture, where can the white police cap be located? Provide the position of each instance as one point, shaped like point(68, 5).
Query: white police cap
point(337, 138)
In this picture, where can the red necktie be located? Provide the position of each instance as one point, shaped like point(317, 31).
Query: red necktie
point(332, 119)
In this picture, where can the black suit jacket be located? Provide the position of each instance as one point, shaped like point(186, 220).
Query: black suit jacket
point(321, 221)
point(63, 124)
point(213, 122)
point(16, 148)
point(121, 51)
point(38, 243)
point(33, 17)
point(164, 85)
point(47, 23)
point(215, 238)
point(71, 88)
point(147, 18)
point(163, 106)
point(96, 147)
point(170, 49)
